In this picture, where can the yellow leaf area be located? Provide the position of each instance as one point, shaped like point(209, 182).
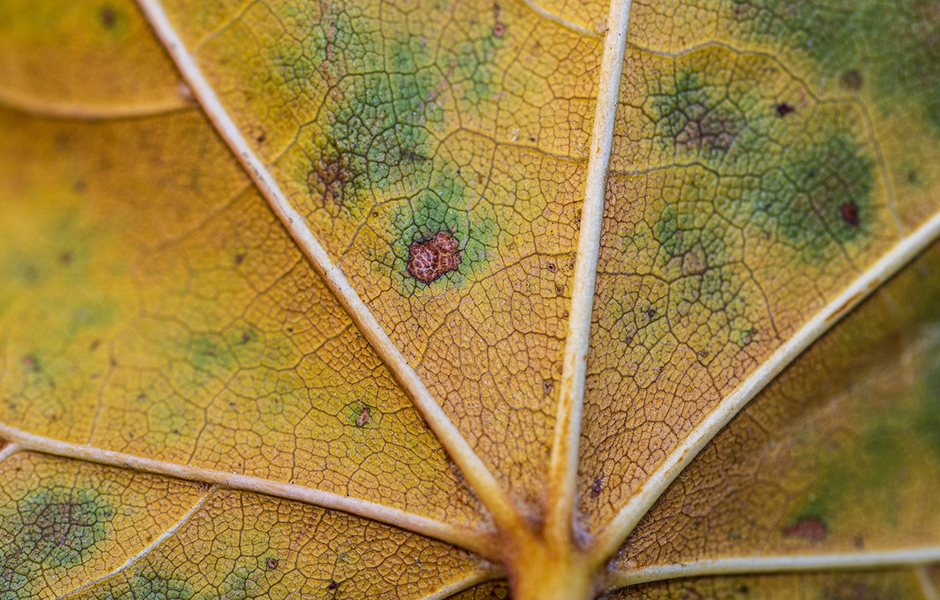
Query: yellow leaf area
point(765, 154)
point(82, 58)
point(78, 530)
point(394, 126)
point(879, 585)
point(836, 462)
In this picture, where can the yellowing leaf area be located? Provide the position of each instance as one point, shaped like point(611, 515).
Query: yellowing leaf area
point(470, 299)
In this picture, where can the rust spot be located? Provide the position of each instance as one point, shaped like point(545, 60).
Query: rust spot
point(272, 563)
point(333, 585)
point(107, 17)
point(329, 179)
point(850, 214)
point(808, 528)
point(597, 487)
point(552, 267)
point(499, 30)
point(783, 109)
point(559, 289)
point(364, 417)
point(852, 80)
point(429, 259)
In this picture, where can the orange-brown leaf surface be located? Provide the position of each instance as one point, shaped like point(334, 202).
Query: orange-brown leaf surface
point(427, 299)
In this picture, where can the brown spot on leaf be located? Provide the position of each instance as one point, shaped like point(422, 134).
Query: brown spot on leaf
point(499, 30)
point(329, 179)
point(332, 586)
point(783, 109)
point(239, 258)
point(852, 80)
point(597, 487)
point(808, 528)
point(849, 212)
point(272, 563)
point(429, 259)
point(365, 415)
point(107, 17)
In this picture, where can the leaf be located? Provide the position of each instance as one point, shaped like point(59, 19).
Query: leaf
point(435, 299)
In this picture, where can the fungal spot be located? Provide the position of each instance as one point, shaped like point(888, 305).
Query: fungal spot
point(107, 17)
point(332, 586)
point(364, 417)
point(31, 363)
point(783, 109)
point(597, 487)
point(547, 386)
point(651, 313)
point(329, 179)
point(559, 289)
point(693, 116)
point(849, 212)
point(808, 528)
point(272, 563)
point(239, 258)
point(852, 80)
point(429, 259)
point(499, 30)
point(551, 266)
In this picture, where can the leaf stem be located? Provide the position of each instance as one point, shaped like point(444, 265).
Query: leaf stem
point(563, 468)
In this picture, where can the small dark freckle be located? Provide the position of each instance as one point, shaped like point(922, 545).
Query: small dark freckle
point(849, 212)
point(651, 312)
point(852, 80)
point(239, 258)
point(811, 173)
point(31, 363)
point(559, 289)
point(141, 396)
point(290, 330)
point(548, 385)
point(859, 542)
point(912, 176)
point(532, 139)
point(598, 486)
point(628, 339)
point(246, 337)
point(333, 585)
point(80, 186)
point(272, 563)
point(499, 30)
point(261, 138)
point(552, 267)
point(107, 17)
point(364, 418)
point(65, 258)
point(94, 345)
point(744, 590)
point(113, 363)
point(375, 214)
point(783, 109)
point(703, 353)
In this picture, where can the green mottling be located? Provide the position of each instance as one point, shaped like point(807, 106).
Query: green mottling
point(50, 530)
point(211, 352)
point(147, 584)
point(695, 118)
point(443, 207)
point(888, 50)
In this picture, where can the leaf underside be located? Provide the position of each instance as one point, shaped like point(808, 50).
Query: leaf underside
point(317, 299)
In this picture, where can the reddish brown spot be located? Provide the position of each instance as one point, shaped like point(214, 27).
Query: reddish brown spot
point(651, 313)
point(333, 585)
point(808, 528)
point(598, 486)
point(429, 259)
point(551, 266)
point(850, 214)
point(499, 29)
point(239, 258)
point(272, 563)
point(329, 179)
point(548, 385)
point(364, 417)
point(559, 289)
point(107, 17)
point(852, 80)
point(783, 109)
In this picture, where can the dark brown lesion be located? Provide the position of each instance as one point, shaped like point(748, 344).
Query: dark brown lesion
point(330, 179)
point(429, 259)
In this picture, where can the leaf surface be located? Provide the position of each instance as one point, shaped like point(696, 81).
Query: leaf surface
point(451, 300)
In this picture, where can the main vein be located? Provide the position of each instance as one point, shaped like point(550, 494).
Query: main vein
point(777, 564)
point(563, 468)
point(614, 533)
point(476, 541)
point(481, 480)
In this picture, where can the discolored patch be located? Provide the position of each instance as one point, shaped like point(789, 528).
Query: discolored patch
point(852, 80)
point(50, 530)
point(429, 259)
point(808, 528)
point(694, 117)
point(783, 109)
